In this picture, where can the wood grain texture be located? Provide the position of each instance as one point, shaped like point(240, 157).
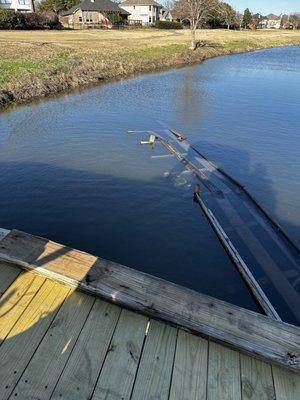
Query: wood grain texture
point(8, 273)
point(49, 359)
point(82, 369)
point(242, 329)
point(189, 378)
point(257, 380)
point(223, 373)
point(120, 366)
point(15, 300)
point(154, 374)
point(287, 385)
point(23, 339)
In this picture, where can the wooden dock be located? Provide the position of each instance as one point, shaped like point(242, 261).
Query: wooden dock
point(127, 335)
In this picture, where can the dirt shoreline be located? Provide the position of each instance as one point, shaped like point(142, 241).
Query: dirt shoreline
point(76, 72)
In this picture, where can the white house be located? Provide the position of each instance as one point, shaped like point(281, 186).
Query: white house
point(145, 11)
point(18, 5)
point(272, 21)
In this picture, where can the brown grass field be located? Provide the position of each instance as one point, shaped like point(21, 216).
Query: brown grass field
point(38, 63)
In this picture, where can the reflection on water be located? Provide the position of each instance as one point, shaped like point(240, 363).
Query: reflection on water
point(70, 173)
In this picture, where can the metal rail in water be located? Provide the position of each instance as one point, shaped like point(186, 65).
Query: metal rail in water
point(267, 258)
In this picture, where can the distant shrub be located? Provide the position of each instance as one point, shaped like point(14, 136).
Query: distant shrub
point(10, 19)
point(41, 21)
point(167, 25)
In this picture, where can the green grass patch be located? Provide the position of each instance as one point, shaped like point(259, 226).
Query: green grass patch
point(10, 70)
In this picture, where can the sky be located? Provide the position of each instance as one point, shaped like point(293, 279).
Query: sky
point(267, 6)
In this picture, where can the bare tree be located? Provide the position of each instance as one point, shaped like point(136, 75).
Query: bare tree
point(239, 19)
point(294, 19)
point(196, 12)
point(227, 14)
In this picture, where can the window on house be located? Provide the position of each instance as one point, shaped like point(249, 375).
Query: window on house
point(134, 7)
point(80, 19)
point(153, 19)
point(5, 1)
point(24, 2)
point(88, 17)
point(149, 8)
point(150, 19)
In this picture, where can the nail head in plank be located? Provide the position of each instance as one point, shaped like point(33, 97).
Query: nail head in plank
point(242, 329)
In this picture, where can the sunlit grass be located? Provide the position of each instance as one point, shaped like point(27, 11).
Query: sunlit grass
point(75, 58)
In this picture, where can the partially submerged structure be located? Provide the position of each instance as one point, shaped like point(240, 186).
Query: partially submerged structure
point(74, 326)
point(93, 14)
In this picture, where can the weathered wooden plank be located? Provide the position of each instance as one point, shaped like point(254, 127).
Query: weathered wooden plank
point(3, 233)
point(248, 277)
point(15, 300)
point(120, 366)
point(243, 329)
point(287, 384)
point(189, 380)
point(265, 260)
point(154, 374)
point(257, 381)
point(8, 273)
point(47, 363)
point(82, 369)
point(223, 373)
point(23, 339)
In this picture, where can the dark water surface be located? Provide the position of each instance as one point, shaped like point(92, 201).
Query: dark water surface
point(69, 172)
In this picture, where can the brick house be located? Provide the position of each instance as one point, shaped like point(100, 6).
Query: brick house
point(92, 13)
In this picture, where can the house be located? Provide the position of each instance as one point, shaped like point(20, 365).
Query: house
point(18, 5)
point(145, 11)
point(259, 20)
point(93, 13)
point(272, 21)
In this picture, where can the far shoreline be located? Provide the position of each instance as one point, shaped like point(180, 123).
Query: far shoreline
point(75, 73)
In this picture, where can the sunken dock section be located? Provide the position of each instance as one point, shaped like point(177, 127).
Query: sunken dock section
point(74, 326)
point(267, 259)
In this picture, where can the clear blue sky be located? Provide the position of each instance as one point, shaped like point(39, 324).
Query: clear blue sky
point(267, 6)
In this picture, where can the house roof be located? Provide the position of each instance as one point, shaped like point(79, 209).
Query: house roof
point(140, 3)
point(258, 17)
point(96, 5)
point(272, 17)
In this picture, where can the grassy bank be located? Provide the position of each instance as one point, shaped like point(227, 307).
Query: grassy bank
point(38, 63)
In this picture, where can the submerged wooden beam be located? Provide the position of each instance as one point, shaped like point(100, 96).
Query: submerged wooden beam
point(242, 329)
point(243, 269)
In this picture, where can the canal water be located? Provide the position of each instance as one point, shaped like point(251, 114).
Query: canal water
point(71, 173)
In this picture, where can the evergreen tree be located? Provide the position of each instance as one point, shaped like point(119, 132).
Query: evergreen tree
point(247, 19)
